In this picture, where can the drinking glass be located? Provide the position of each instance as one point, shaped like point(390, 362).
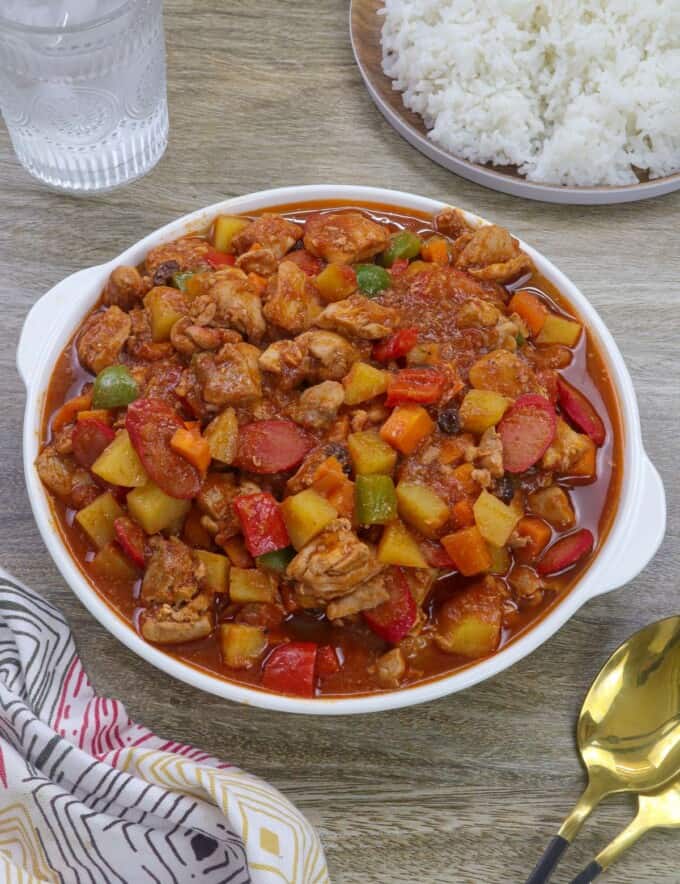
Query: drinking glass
point(82, 89)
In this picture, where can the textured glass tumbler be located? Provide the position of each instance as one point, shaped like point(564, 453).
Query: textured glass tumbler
point(85, 104)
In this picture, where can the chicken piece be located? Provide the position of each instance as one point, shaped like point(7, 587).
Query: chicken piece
point(477, 313)
point(452, 222)
point(482, 478)
point(566, 449)
point(505, 373)
point(62, 440)
point(66, 479)
point(168, 625)
point(262, 261)
point(318, 406)
point(188, 252)
point(333, 355)
point(420, 582)
point(332, 564)
point(216, 495)
point(102, 338)
point(493, 255)
point(232, 377)
point(231, 302)
point(507, 333)
point(304, 476)
point(125, 288)
point(292, 301)
point(369, 595)
point(344, 237)
point(140, 344)
point(359, 317)
point(271, 231)
point(391, 668)
point(173, 573)
point(526, 585)
point(188, 338)
point(288, 360)
point(488, 454)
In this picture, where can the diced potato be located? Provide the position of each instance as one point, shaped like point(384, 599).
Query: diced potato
point(225, 229)
point(421, 507)
point(165, 305)
point(482, 409)
point(305, 515)
point(216, 570)
point(495, 519)
point(241, 645)
point(119, 464)
point(249, 585)
point(335, 282)
point(112, 564)
point(425, 353)
point(586, 466)
point(407, 427)
point(469, 623)
point(97, 519)
point(558, 330)
point(398, 547)
point(553, 505)
point(239, 556)
point(363, 382)
point(370, 453)
point(153, 509)
point(222, 436)
point(468, 551)
point(500, 559)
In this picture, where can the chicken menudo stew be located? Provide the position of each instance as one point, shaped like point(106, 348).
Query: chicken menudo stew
point(332, 450)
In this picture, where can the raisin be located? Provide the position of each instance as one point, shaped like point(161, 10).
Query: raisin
point(449, 421)
point(164, 272)
point(505, 489)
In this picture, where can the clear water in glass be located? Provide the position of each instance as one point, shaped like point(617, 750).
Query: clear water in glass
point(82, 89)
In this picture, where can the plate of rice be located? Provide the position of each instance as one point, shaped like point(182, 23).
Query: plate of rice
point(553, 101)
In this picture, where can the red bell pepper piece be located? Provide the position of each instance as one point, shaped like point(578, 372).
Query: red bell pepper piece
point(290, 669)
point(424, 385)
point(131, 539)
point(219, 259)
point(393, 619)
point(262, 523)
point(399, 266)
point(395, 346)
point(327, 662)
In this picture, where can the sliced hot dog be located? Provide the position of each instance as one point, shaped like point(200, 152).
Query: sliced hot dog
point(580, 411)
point(566, 552)
point(271, 446)
point(526, 431)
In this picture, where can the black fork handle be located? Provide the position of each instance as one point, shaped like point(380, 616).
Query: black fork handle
point(588, 874)
point(548, 862)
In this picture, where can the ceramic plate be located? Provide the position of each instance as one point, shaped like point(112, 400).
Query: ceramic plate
point(365, 27)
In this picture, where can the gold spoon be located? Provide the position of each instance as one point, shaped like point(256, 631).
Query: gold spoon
point(660, 811)
point(629, 728)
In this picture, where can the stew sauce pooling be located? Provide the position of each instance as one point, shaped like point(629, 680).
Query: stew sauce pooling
point(332, 450)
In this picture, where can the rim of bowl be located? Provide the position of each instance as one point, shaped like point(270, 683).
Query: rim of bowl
point(439, 686)
point(55, 31)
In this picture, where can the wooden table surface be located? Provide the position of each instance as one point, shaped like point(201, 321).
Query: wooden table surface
point(467, 789)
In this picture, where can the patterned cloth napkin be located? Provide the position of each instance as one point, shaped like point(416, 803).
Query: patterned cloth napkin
point(86, 795)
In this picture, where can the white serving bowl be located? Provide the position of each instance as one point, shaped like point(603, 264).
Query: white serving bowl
point(634, 537)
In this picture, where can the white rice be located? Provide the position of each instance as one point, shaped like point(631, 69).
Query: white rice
point(571, 91)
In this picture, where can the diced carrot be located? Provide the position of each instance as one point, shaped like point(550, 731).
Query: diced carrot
point(328, 476)
point(192, 447)
point(463, 513)
point(343, 499)
point(530, 308)
point(436, 250)
point(586, 466)
point(70, 409)
point(406, 427)
point(97, 414)
point(468, 550)
point(259, 283)
point(453, 450)
point(239, 556)
point(539, 534)
point(463, 476)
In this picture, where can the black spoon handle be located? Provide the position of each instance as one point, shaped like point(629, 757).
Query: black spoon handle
point(588, 874)
point(546, 864)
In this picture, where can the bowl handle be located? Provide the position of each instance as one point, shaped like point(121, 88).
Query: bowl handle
point(647, 528)
point(41, 319)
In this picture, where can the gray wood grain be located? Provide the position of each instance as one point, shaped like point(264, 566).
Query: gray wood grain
point(468, 789)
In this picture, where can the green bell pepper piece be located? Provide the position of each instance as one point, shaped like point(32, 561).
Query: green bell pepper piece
point(404, 244)
point(180, 279)
point(372, 279)
point(375, 499)
point(278, 560)
point(114, 387)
